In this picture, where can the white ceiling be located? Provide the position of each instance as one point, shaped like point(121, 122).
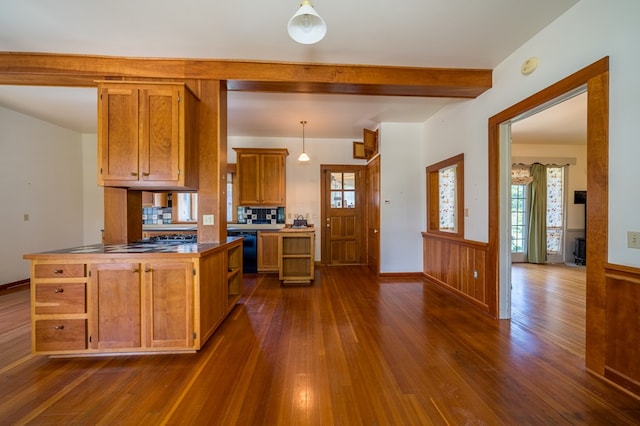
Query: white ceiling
point(423, 33)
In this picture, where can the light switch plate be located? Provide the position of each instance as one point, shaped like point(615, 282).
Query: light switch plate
point(207, 219)
point(633, 239)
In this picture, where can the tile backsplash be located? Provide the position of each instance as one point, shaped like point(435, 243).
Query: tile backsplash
point(261, 215)
point(156, 215)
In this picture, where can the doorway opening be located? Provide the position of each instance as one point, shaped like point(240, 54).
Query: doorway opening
point(595, 78)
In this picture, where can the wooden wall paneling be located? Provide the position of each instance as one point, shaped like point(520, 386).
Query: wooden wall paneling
point(623, 347)
point(451, 262)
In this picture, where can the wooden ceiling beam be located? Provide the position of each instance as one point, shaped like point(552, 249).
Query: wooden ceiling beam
point(48, 69)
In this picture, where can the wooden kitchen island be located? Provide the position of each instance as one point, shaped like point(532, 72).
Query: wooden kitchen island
point(132, 298)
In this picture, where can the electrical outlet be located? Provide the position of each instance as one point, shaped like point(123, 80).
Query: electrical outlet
point(475, 274)
point(633, 239)
point(26, 217)
point(207, 219)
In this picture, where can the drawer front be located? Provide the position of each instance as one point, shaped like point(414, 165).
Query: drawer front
point(59, 270)
point(64, 298)
point(61, 335)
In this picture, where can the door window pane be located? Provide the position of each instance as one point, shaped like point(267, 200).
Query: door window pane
point(349, 181)
point(336, 180)
point(343, 194)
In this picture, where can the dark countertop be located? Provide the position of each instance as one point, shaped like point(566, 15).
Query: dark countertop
point(137, 249)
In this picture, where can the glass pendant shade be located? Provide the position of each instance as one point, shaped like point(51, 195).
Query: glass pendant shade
point(306, 26)
point(303, 157)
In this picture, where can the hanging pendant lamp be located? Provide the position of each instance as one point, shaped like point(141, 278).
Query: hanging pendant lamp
point(306, 26)
point(303, 157)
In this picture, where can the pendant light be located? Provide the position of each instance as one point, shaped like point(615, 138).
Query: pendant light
point(306, 26)
point(303, 157)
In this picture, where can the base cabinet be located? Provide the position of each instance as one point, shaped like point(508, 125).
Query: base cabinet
point(296, 257)
point(115, 296)
point(267, 251)
point(133, 305)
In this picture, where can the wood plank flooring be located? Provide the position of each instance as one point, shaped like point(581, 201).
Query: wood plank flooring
point(350, 350)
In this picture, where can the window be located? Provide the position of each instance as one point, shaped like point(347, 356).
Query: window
point(187, 206)
point(343, 190)
point(555, 209)
point(445, 196)
point(518, 218)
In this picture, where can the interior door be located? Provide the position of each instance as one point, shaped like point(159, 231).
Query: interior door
point(342, 214)
point(373, 215)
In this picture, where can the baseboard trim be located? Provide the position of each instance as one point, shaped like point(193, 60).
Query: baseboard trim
point(400, 275)
point(16, 285)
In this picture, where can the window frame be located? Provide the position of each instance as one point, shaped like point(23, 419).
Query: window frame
point(433, 198)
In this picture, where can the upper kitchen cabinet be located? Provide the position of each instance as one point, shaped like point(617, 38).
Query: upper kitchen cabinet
point(261, 176)
point(147, 135)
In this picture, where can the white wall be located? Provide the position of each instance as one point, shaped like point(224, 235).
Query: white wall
point(589, 31)
point(40, 175)
point(303, 180)
point(402, 197)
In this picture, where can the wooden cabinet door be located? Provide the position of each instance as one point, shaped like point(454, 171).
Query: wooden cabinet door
point(213, 293)
point(267, 251)
point(115, 306)
point(160, 133)
point(261, 176)
point(118, 135)
point(272, 179)
point(168, 304)
point(249, 179)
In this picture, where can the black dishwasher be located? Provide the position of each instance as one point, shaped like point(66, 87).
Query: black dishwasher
point(249, 249)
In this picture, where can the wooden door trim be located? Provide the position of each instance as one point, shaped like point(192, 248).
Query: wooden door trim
point(596, 78)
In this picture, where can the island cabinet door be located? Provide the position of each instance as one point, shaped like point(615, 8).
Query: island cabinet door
point(114, 317)
point(168, 304)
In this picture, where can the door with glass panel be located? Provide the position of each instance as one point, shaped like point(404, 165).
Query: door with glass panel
point(342, 215)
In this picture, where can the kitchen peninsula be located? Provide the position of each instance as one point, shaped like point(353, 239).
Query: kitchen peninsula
point(132, 298)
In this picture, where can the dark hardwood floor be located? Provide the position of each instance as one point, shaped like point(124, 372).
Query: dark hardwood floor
point(350, 350)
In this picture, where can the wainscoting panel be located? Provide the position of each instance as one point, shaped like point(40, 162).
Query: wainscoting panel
point(623, 326)
point(458, 265)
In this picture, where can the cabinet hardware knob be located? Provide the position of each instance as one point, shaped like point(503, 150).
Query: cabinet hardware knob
point(134, 174)
point(59, 327)
point(146, 174)
point(59, 290)
point(148, 270)
point(58, 271)
point(135, 271)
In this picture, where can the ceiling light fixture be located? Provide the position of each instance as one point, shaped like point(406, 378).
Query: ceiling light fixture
point(306, 26)
point(303, 157)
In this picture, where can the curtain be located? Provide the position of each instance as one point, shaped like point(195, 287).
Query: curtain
point(537, 238)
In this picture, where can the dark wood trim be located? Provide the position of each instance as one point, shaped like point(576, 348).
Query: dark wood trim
point(401, 275)
point(596, 78)
point(44, 69)
point(16, 285)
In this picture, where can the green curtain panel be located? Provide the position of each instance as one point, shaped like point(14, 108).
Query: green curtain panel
point(537, 239)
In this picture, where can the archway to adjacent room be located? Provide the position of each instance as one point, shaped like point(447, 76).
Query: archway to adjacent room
point(595, 78)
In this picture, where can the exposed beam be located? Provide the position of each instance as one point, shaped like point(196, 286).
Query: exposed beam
point(48, 69)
